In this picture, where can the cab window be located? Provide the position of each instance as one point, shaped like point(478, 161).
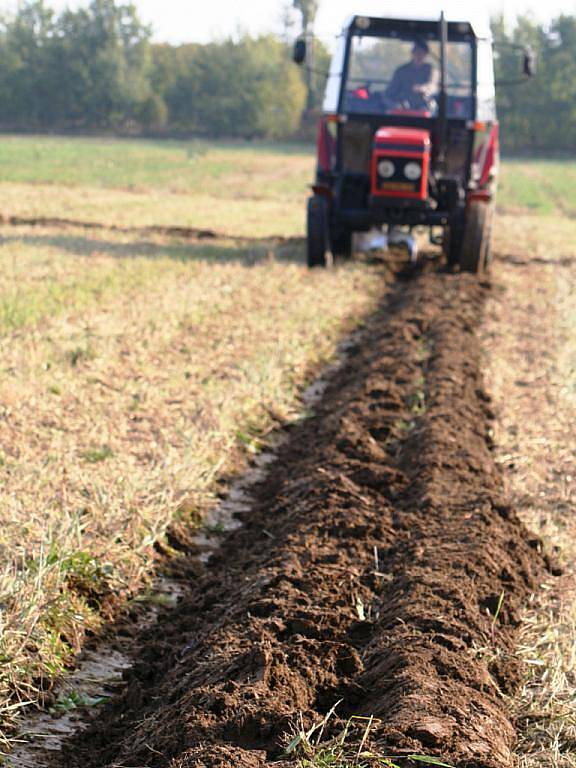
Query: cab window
point(394, 75)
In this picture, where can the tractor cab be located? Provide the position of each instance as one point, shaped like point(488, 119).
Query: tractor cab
point(408, 137)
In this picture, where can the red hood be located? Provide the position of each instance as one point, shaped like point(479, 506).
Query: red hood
point(416, 137)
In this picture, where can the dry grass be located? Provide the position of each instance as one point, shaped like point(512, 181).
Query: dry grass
point(136, 373)
point(138, 369)
point(47, 272)
point(532, 374)
point(328, 744)
point(264, 216)
point(260, 188)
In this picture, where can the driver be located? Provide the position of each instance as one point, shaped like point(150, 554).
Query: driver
point(415, 84)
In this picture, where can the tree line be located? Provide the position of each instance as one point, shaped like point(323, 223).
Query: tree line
point(97, 69)
point(540, 114)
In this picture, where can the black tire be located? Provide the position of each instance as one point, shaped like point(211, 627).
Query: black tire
point(341, 241)
point(489, 226)
point(476, 243)
point(318, 243)
point(452, 244)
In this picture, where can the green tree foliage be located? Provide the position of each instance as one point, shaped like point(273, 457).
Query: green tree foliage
point(88, 67)
point(26, 59)
point(95, 68)
point(539, 114)
point(245, 88)
point(105, 63)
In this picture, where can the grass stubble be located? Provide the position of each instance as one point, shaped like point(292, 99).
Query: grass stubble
point(348, 748)
point(137, 370)
point(531, 344)
point(251, 189)
point(151, 371)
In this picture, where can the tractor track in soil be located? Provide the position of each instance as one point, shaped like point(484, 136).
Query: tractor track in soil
point(186, 233)
point(380, 565)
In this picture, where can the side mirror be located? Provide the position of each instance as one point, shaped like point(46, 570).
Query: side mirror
point(530, 64)
point(299, 54)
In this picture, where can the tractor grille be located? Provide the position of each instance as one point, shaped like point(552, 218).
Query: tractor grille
point(355, 192)
point(356, 140)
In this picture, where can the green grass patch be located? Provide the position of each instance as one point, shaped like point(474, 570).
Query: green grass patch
point(176, 166)
point(252, 189)
point(259, 175)
point(230, 169)
point(43, 274)
point(25, 305)
point(67, 702)
point(543, 187)
point(96, 455)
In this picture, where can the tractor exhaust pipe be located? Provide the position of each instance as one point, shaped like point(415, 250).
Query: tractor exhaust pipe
point(443, 101)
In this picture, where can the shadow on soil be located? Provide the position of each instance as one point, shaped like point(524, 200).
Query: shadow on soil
point(519, 261)
point(248, 254)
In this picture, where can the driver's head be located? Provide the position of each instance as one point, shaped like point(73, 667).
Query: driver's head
point(420, 51)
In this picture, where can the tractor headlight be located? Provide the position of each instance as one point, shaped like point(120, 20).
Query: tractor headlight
point(413, 171)
point(386, 169)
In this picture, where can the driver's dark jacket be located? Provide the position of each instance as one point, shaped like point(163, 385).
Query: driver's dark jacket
point(401, 89)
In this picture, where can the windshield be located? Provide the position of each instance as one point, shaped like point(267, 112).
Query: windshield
point(400, 75)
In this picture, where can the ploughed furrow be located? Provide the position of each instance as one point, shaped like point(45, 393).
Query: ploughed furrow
point(380, 567)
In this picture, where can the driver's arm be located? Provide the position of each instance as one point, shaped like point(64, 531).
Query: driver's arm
point(432, 86)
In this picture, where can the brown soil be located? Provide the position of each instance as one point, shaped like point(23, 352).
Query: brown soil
point(381, 566)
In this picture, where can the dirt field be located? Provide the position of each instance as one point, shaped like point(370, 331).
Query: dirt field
point(393, 595)
point(381, 568)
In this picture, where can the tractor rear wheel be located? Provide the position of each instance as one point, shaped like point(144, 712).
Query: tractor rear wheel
point(489, 226)
point(341, 241)
point(318, 241)
point(477, 240)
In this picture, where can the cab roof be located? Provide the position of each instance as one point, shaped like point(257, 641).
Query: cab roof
point(479, 21)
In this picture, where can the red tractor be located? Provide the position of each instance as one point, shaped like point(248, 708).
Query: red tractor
point(408, 137)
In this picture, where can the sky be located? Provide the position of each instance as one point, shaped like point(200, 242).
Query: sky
point(179, 21)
